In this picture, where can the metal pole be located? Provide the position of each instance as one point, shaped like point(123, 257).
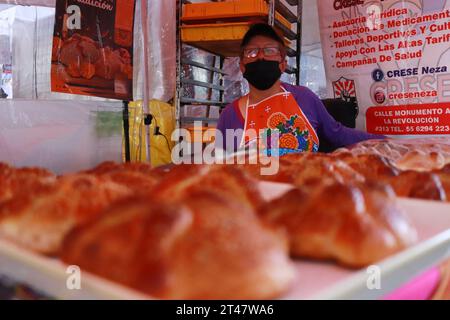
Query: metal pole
point(271, 12)
point(179, 66)
point(299, 39)
point(179, 44)
point(126, 129)
point(144, 18)
point(222, 79)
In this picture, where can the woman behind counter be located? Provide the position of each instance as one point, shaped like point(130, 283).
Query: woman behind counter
point(294, 112)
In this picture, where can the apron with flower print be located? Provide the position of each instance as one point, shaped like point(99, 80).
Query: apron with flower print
point(278, 115)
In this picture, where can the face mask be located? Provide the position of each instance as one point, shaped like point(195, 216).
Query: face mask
point(262, 74)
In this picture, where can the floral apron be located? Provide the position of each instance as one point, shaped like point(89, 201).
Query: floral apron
point(279, 115)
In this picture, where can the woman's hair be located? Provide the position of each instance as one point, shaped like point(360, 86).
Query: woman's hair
point(265, 30)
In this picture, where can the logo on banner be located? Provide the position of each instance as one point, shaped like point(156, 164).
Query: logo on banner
point(379, 97)
point(344, 88)
point(378, 75)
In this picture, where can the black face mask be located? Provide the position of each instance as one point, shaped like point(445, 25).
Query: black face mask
point(262, 74)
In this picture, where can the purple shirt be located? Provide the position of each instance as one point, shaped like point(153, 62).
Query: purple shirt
point(324, 124)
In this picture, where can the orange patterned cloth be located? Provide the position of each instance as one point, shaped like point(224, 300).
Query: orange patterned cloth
point(280, 114)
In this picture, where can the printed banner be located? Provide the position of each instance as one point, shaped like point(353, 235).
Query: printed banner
point(394, 57)
point(93, 48)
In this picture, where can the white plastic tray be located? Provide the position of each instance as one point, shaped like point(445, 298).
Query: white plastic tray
point(319, 280)
point(315, 280)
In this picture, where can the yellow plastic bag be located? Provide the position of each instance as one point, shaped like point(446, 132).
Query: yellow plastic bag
point(161, 128)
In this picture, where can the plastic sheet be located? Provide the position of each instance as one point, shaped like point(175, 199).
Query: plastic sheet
point(199, 74)
point(312, 71)
point(62, 136)
point(66, 136)
point(5, 40)
point(5, 57)
point(419, 154)
point(162, 50)
point(203, 75)
point(235, 84)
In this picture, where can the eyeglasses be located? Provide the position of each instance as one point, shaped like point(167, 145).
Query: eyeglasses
point(268, 52)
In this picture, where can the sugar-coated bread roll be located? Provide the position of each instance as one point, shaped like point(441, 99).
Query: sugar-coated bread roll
point(420, 185)
point(371, 166)
point(305, 168)
point(421, 160)
point(206, 248)
point(228, 181)
point(355, 226)
point(140, 177)
point(15, 180)
point(39, 218)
